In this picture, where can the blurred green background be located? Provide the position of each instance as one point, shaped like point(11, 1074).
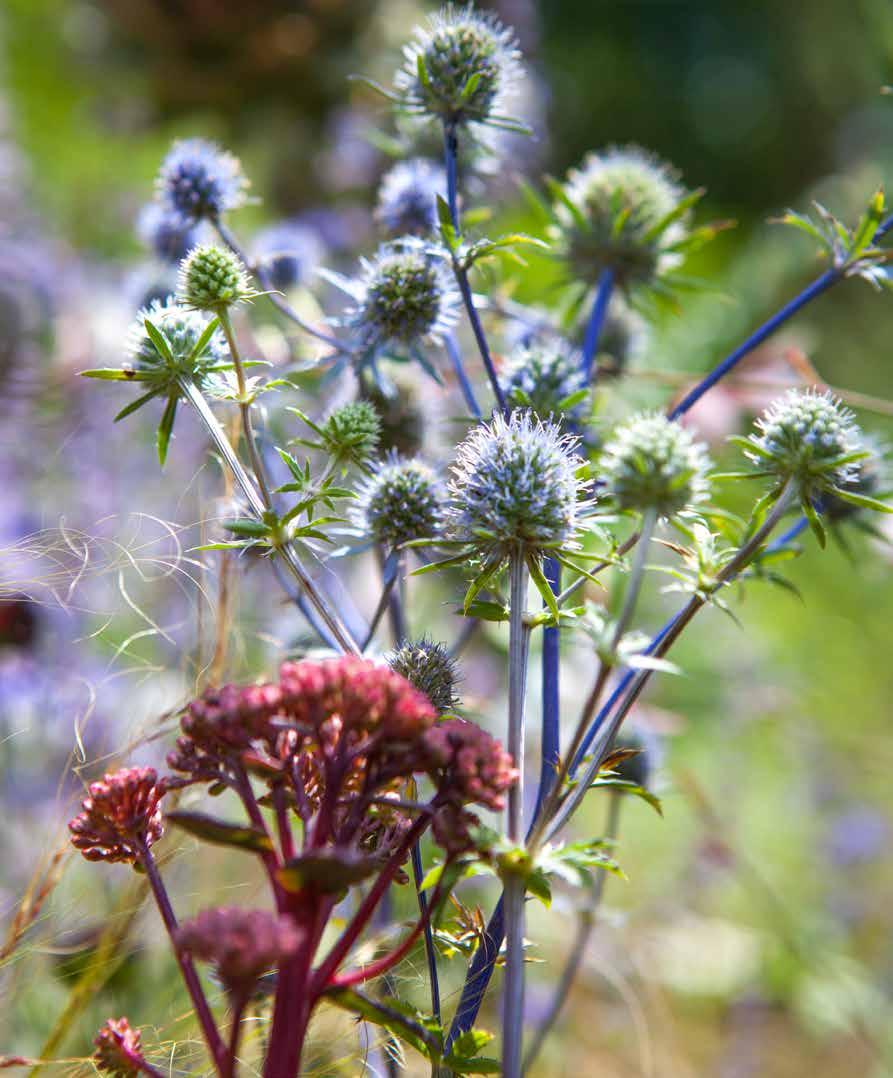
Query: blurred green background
point(754, 936)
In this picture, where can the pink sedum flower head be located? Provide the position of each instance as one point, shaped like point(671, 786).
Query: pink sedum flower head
point(122, 814)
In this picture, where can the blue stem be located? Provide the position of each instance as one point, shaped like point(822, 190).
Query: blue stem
point(551, 659)
point(478, 977)
point(795, 529)
point(452, 349)
point(430, 952)
point(597, 320)
point(451, 161)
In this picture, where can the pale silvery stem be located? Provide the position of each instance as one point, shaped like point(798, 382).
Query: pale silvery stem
point(519, 639)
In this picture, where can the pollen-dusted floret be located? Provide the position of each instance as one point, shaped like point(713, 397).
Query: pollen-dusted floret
point(807, 436)
point(654, 464)
point(165, 233)
point(183, 331)
point(200, 181)
point(212, 278)
point(402, 501)
point(468, 764)
point(547, 378)
point(119, 1050)
point(407, 197)
point(121, 815)
point(351, 433)
point(514, 484)
point(610, 215)
point(241, 944)
point(405, 296)
point(430, 668)
point(460, 67)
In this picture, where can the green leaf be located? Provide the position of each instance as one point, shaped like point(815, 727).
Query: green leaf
point(542, 585)
point(815, 521)
point(165, 427)
point(538, 885)
point(862, 500)
point(134, 405)
point(117, 374)
point(157, 337)
point(329, 871)
point(220, 832)
point(399, 1018)
point(205, 339)
point(486, 610)
point(473, 1065)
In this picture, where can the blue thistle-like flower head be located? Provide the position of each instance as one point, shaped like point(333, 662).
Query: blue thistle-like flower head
point(403, 500)
point(428, 667)
point(654, 464)
point(200, 181)
point(290, 252)
point(407, 197)
point(460, 68)
point(183, 330)
point(167, 234)
point(809, 437)
point(610, 214)
point(515, 486)
point(546, 377)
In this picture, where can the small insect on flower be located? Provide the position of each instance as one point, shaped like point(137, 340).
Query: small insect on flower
point(429, 667)
point(547, 378)
point(200, 181)
point(402, 501)
point(654, 464)
point(407, 197)
point(212, 279)
point(168, 235)
point(460, 68)
point(119, 1050)
point(121, 816)
point(622, 210)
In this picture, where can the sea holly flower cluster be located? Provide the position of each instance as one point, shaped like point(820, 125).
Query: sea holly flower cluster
point(352, 763)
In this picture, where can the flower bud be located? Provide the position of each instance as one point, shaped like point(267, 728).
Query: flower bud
point(429, 667)
point(212, 279)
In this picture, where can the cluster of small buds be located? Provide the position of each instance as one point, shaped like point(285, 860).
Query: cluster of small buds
point(351, 433)
point(515, 485)
point(200, 181)
point(469, 764)
point(121, 816)
point(547, 378)
point(402, 501)
point(407, 197)
point(119, 1049)
point(652, 464)
point(241, 944)
point(212, 278)
point(231, 717)
point(183, 330)
point(809, 438)
point(610, 216)
point(460, 68)
point(406, 296)
point(166, 234)
point(430, 668)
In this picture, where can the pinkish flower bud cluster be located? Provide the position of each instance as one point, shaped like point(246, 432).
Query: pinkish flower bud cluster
point(241, 944)
point(119, 1050)
point(469, 764)
point(121, 814)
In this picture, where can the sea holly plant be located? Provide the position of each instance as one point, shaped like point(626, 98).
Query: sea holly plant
point(490, 476)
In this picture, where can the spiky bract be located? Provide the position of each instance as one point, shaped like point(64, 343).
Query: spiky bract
point(429, 667)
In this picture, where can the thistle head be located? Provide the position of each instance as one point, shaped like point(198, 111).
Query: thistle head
point(351, 433)
point(212, 278)
point(200, 181)
point(241, 944)
point(120, 817)
point(119, 1049)
point(546, 377)
point(398, 404)
point(289, 252)
point(460, 68)
point(654, 464)
point(168, 235)
point(808, 438)
point(610, 214)
point(403, 500)
point(407, 197)
point(429, 668)
point(405, 297)
point(515, 485)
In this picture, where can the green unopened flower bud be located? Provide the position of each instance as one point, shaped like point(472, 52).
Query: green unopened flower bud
point(428, 667)
point(212, 279)
point(351, 433)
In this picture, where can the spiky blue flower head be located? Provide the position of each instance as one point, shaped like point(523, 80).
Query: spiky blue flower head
point(460, 68)
point(809, 438)
point(200, 181)
point(167, 234)
point(546, 377)
point(407, 197)
point(403, 500)
point(289, 252)
point(428, 667)
point(653, 464)
point(183, 329)
point(515, 486)
point(212, 278)
point(405, 297)
point(612, 213)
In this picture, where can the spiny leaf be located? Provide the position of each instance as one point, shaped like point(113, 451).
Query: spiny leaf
point(220, 832)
